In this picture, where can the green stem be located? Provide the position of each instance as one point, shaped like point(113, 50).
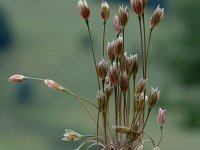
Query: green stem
point(161, 135)
point(98, 130)
point(104, 29)
point(88, 27)
point(151, 139)
point(149, 40)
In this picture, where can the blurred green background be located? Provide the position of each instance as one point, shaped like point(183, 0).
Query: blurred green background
point(48, 39)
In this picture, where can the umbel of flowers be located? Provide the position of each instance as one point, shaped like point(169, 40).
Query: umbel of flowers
point(133, 103)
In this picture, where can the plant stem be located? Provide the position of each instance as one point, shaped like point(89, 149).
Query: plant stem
point(161, 135)
point(149, 40)
point(88, 27)
point(98, 130)
point(116, 108)
point(104, 29)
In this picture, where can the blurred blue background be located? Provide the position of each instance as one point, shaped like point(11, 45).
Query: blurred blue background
point(48, 39)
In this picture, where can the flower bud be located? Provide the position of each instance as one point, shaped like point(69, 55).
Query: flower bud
point(108, 87)
point(134, 64)
point(139, 103)
point(121, 129)
point(118, 51)
point(124, 82)
point(102, 69)
point(84, 9)
point(157, 16)
point(52, 84)
point(141, 86)
point(114, 74)
point(16, 78)
point(105, 11)
point(144, 3)
point(156, 148)
point(137, 6)
point(123, 15)
point(161, 117)
point(116, 24)
point(153, 97)
point(70, 135)
point(101, 100)
point(110, 50)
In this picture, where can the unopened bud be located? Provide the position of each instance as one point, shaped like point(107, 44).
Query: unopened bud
point(141, 86)
point(114, 74)
point(157, 16)
point(107, 87)
point(84, 9)
point(105, 11)
point(122, 129)
point(153, 97)
point(16, 78)
point(110, 50)
point(102, 69)
point(137, 6)
point(52, 84)
point(116, 24)
point(124, 82)
point(144, 3)
point(101, 100)
point(161, 117)
point(118, 51)
point(123, 14)
point(134, 64)
point(139, 103)
point(70, 135)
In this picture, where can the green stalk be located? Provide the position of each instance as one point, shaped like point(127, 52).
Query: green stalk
point(104, 29)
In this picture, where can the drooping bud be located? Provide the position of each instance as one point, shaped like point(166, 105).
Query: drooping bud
point(107, 87)
point(124, 82)
point(116, 24)
point(137, 6)
point(157, 16)
point(105, 11)
point(52, 84)
point(153, 97)
point(161, 117)
point(84, 9)
point(101, 100)
point(134, 64)
point(141, 86)
point(17, 78)
point(114, 74)
point(110, 50)
point(102, 69)
point(123, 15)
point(70, 135)
point(118, 51)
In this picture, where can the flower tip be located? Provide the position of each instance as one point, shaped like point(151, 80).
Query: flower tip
point(16, 78)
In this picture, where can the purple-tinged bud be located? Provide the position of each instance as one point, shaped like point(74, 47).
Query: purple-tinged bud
point(101, 100)
point(110, 50)
point(105, 11)
point(153, 97)
point(70, 135)
point(116, 24)
point(118, 51)
point(84, 9)
point(53, 85)
point(161, 117)
point(124, 82)
point(141, 86)
point(16, 78)
point(114, 74)
point(134, 64)
point(157, 16)
point(102, 69)
point(123, 15)
point(108, 87)
point(137, 6)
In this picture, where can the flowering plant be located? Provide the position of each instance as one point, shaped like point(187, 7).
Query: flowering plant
point(132, 103)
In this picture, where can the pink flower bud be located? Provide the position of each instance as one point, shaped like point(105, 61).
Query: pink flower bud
point(110, 50)
point(52, 84)
point(118, 51)
point(137, 6)
point(84, 9)
point(105, 11)
point(124, 82)
point(123, 15)
point(134, 64)
point(116, 24)
point(153, 97)
point(114, 73)
point(157, 16)
point(161, 117)
point(102, 69)
point(17, 78)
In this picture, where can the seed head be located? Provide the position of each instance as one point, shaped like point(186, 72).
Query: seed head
point(161, 117)
point(84, 9)
point(70, 135)
point(105, 11)
point(16, 78)
point(123, 15)
point(157, 16)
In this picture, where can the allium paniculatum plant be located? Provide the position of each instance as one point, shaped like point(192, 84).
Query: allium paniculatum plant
point(117, 81)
